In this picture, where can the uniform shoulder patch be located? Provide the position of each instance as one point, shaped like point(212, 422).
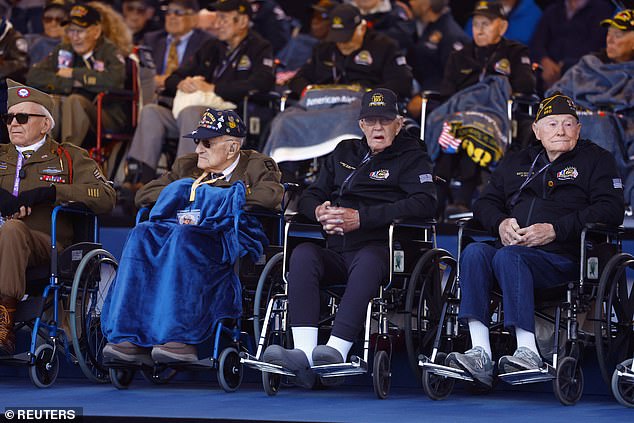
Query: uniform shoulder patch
point(270, 165)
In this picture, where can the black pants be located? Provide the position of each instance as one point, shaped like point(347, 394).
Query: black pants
point(311, 266)
point(462, 168)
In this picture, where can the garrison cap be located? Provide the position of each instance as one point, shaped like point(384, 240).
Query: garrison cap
point(18, 93)
point(216, 123)
point(556, 104)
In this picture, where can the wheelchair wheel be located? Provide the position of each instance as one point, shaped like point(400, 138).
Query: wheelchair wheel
point(121, 378)
point(94, 275)
point(381, 375)
point(158, 376)
point(437, 387)
point(433, 272)
point(230, 370)
point(44, 371)
point(614, 316)
point(271, 383)
point(270, 283)
point(568, 386)
point(622, 388)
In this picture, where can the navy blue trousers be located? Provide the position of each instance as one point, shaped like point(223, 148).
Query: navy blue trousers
point(518, 271)
point(312, 266)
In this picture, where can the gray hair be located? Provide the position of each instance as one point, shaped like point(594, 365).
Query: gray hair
point(48, 114)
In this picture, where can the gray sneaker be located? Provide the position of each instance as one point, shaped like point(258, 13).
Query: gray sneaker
point(522, 359)
point(476, 362)
point(126, 352)
point(174, 352)
point(294, 360)
point(324, 354)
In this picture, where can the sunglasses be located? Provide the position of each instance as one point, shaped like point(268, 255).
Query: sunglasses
point(207, 143)
point(22, 118)
point(178, 12)
point(51, 19)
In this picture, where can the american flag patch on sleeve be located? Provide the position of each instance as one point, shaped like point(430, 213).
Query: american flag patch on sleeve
point(425, 177)
point(617, 183)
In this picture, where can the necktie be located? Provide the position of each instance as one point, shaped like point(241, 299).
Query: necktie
point(172, 57)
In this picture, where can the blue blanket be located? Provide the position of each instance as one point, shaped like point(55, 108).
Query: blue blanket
point(595, 85)
point(175, 281)
point(488, 96)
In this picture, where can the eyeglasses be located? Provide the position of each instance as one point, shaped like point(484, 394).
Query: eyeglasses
point(178, 12)
point(51, 19)
point(208, 143)
point(22, 118)
point(76, 31)
point(373, 121)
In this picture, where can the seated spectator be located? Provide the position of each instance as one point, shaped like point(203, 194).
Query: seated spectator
point(38, 174)
point(523, 17)
point(537, 201)
point(603, 83)
point(207, 22)
point(489, 54)
point(392, 18)
point(440, 36)
point(364, 185)
point(77, 71)
point(40, 45)
point(14, 57)
point(227, 69)
point(140, 17)
point(158, 310)
point(270, 21)
point(178, 41)
point(566, 31)
point(113, 26)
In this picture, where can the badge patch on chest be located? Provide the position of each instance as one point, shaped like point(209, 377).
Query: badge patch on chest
point(244, 63)
point(503, 67)
point(380, 175)
point(363, 58)
point(51, 171)
point(3, 165)
point(567, 173)
point(53, 178)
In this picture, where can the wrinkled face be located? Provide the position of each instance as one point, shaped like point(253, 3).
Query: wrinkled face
point(620, 45)
point(178, 20)
point(52, 21)
point(217, 154)
point(380, 132)
point(228, 24)
point(136, 14)
point(207, 22)
point(558, 134)
point(83, 40)
point(488, 31)
point(355, 42)
point(33, 130)
point(319, 25)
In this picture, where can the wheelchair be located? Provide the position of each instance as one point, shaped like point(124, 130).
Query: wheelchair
point(406, 306)
point(571, 303)
point(78, 277)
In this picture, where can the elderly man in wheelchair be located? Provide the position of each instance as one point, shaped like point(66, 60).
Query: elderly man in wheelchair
point(364, 186)
point(176, 276)
point(537, 202)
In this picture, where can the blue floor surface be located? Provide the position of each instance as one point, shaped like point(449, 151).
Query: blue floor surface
point(186, 400)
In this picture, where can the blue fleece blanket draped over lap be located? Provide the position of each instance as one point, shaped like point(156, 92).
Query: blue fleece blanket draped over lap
point(175, 281)
point(595, 85)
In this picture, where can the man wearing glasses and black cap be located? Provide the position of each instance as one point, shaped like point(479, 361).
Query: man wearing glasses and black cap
point(80, 69)
point(37, 173)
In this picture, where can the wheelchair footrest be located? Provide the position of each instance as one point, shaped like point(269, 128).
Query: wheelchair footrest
point(444, 371)
point(254, 363)
point(543, 374)
point(356, 367)
point(15, 360)
point(625, 372)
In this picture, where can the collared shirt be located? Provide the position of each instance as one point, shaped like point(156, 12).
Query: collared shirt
point(180, 48)
point(32, 147)
point(228, 171)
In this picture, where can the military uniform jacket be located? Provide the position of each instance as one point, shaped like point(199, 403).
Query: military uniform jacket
point(580, 186)
point(108, 70)
point(394, 184)
point(377, 64)
point(259, 173)
point(248, 68)
point(14, 58)
point(50, 165)
point(471, 64)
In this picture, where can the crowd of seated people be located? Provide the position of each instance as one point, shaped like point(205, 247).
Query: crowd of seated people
point(200, 49)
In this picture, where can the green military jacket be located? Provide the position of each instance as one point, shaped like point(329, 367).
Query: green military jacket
point(259, 173)
point(76, 177)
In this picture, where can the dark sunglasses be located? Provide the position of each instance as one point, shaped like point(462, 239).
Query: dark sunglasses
point(177, 12)
point(22, 118)
point(207, 143)
point(51, 19)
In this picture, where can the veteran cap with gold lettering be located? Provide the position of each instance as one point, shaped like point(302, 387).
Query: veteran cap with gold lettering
point(556, 104)
point(18, 93)
point(380, 103)
point(243, 7)
point(344, 19)
point(83, 15)
point(216, 123)
point(490, 9)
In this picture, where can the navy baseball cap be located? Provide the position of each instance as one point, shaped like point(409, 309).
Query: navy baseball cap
point(490, 9)
point(380, 102)
point(243, 7)
point(216, 123)
point(83, 15)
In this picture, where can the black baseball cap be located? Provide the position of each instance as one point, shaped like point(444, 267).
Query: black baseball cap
point(380, 102)
point(344, 19)
point(623, 20)
point(57, 4)
point(490, 9)
point(216, 123)
point(556, 104)
point(83, 15)
point(243, 7)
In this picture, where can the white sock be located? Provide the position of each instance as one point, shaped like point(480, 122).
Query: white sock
point(480, 335)
point(305, 339)
point(340, 345)
point(526, 339)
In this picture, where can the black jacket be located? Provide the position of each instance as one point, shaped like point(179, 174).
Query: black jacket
point(466, 67)
point(377, 64)
point(249, 69)
point(396, 183)
point(580, 186)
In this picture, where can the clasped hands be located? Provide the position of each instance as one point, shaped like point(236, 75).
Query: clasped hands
point(531, 236)
point(337, 220)
point(195, 83)
point(20, 206)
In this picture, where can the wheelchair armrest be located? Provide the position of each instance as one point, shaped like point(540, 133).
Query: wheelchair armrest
point(415, 222)
point(263, 97)
point(523, 98)
point(430, 95)
point(604, 229)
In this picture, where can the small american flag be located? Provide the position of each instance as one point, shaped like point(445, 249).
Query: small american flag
point(447, 141)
